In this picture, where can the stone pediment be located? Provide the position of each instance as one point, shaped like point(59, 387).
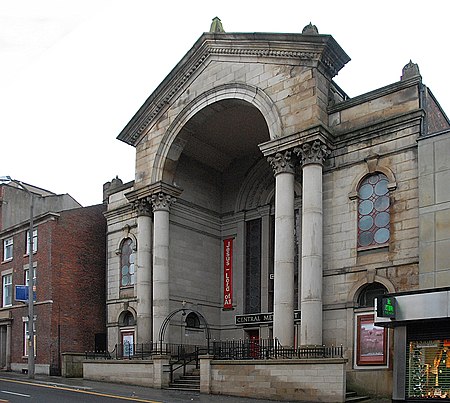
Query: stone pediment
point(312, 50)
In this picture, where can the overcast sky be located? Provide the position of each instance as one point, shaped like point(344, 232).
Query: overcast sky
point(74, 72)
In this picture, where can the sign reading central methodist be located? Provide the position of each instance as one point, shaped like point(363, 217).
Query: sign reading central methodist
point(255, 318)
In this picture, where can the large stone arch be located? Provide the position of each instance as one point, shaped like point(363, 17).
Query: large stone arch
point(172, 144)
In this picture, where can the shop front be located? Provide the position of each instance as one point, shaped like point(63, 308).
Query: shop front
point(421, 325)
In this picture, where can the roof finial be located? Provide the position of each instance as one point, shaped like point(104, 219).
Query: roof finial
point(310, 29)
point(216, 25)
point(410, 70)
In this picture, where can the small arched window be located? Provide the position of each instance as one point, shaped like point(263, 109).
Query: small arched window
point(127, 262)
point(127, 319)
point(368, 294)
point(192, 320)
point(373, 211)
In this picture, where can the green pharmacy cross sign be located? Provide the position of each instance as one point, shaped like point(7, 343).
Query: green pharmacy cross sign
point(386, 307)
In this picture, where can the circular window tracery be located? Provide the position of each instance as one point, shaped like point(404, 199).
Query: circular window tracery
point(373, 211)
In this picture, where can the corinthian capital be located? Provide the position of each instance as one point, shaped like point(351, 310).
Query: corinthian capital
point(313, 152)
point(142, 207)
point(282, 162)
point(162, 201)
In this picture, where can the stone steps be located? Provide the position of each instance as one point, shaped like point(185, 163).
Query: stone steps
point(188, 382)
point(352, 397)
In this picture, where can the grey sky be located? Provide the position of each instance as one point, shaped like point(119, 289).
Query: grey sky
point(73, 72)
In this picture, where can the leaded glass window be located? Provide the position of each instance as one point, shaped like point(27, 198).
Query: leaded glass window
point(373, 211)
point(127, 266)
point(253, 267)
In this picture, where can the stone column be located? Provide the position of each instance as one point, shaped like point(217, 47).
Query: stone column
point(144, 271)
point(312, 156)
point(161, 204)
point(283, 307)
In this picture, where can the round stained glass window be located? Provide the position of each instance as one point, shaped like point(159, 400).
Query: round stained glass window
point(373, 179)
point(381, 235)
point(365, 207)
point(127, 263)
point(381, 188)
point(365, 223)
point(365, 238)
point(365, 191)
point(382, 203)
point(373, 211)
point(382, 219)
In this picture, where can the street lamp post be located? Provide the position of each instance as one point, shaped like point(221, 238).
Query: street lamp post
point(31, 363)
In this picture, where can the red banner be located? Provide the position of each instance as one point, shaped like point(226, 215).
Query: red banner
point(228, 273)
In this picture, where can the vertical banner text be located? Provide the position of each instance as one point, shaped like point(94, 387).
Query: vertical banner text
point(228, 273)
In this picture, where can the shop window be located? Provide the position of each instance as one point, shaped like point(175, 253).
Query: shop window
point(192, 321)
point(8, 245)
point(428, 369)
point(35, 241)
point(373, 212)
point(127, 266)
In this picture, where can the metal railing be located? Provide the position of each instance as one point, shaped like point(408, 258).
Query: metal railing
point(264, 349)
point(183, 354)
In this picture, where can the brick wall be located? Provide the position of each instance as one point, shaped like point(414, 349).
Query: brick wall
point(70, 285)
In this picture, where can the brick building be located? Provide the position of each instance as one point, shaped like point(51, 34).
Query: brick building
point(68, 264)
point(276, 206)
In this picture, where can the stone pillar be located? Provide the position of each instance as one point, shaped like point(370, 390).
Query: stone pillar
point(205, 373)
point(161, 204)
point(312, 156)
point(144, 271)
point(283, 307)
point(161, 375)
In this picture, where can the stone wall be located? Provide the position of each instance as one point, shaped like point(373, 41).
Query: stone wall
point(434, 210)
point(138, 373)
point(296, 380)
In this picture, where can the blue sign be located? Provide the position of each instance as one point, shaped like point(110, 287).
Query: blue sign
point(22, 293)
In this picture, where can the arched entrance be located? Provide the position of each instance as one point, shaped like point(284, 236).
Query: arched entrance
point(186, 312)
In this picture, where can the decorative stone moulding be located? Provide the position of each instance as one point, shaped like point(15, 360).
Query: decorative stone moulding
point(162, 201)
point(282, 162)
point(311, 49)
point(142, 207)
point(314, 152)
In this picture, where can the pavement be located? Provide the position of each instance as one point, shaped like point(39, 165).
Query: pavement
point(140, 392)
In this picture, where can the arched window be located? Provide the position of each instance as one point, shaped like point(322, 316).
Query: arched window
point(373, 211)
point(127, 261)
point(368, 294)
point(192, 320)
point(127, 319)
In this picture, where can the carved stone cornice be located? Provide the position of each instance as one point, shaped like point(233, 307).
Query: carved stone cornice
point(283, 162)
point(313, 152)
point(162, 201)
point(143, 207)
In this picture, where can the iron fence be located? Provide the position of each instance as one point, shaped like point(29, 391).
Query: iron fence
point(263, 349)
point(255, 349)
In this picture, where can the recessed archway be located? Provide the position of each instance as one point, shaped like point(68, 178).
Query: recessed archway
point(221, 102)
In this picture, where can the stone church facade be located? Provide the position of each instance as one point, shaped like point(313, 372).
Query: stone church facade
point(271, 203)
